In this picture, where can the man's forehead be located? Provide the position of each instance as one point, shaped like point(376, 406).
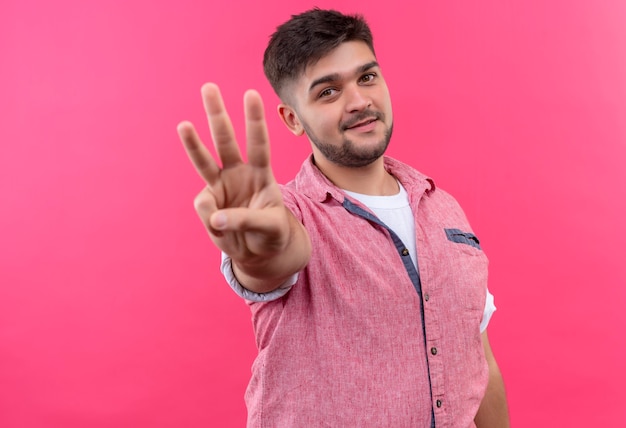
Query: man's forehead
point(346, 59)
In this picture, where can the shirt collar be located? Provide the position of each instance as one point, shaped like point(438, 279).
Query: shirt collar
point(312, 183)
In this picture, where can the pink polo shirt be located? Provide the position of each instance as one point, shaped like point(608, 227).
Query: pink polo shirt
point(363, 339)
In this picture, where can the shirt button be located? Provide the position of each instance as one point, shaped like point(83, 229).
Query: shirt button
point(433, 350)
point(405, 252)
point(439, 403)
point(426, 297)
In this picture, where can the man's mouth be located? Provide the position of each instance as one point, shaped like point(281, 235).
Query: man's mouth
point(362, 123)
point(362, 120)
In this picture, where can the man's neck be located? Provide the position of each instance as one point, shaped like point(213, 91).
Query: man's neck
point(371, 179)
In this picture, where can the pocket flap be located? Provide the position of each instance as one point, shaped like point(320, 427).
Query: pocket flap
point(456, 235)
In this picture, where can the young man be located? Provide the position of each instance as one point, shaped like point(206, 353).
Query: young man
point(367, 287)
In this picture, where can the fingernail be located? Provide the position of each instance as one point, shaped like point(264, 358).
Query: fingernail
point(219, 221)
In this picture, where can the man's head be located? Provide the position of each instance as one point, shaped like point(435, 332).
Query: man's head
point(323, 67)
point(306, 38)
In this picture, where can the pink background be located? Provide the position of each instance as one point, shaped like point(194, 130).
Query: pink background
point(112, 310)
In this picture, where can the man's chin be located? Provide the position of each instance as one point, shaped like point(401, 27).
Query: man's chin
point(362, 159)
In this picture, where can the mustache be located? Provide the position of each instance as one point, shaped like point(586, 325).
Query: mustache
point(361, 116)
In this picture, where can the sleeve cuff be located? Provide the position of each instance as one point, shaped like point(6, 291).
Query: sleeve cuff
point(227, 270)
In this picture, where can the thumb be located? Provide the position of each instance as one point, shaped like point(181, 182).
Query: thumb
point(269, 221)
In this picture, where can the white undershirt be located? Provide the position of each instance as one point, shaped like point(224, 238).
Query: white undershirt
point(396, 213)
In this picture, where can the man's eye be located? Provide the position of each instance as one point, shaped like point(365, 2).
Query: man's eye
point(367, 78)
point(327, 92)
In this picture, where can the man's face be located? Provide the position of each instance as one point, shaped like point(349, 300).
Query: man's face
point(342, 103)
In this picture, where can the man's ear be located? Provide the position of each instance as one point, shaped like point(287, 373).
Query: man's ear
point(290, 119)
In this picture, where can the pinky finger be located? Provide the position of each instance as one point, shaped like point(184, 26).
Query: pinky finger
point(205, 206)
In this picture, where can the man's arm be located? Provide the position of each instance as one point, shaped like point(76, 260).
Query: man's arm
point(241, 205)
point(493, 411)
point(265, 275)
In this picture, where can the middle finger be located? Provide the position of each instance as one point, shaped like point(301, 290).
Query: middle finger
point(221, 126)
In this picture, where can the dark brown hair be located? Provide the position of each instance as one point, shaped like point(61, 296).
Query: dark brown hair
point(305, 39)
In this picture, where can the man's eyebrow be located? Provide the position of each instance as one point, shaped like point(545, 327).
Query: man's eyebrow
point(335, 76)
point(367, 66)
point(324, 79)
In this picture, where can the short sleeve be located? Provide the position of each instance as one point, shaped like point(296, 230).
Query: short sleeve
point(490, 308)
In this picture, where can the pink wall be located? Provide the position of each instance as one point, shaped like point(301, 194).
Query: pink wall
point(112, 311)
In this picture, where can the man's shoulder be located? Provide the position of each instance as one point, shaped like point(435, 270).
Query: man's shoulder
point(417, 182)
point(309, 184)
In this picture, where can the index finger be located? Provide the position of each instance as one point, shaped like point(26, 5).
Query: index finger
point(256, 130)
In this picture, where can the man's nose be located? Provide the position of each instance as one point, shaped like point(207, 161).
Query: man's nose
point(357, 99)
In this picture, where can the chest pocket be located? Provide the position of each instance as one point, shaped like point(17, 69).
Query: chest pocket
point(464, 272)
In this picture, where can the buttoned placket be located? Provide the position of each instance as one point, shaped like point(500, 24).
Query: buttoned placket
point(415, 280)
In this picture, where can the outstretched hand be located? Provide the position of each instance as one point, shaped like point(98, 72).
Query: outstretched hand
point(241, 205)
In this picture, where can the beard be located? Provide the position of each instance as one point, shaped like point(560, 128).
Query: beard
point(348, 154)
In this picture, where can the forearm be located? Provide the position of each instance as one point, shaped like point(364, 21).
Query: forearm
point(493, 411)
point(267, 274)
